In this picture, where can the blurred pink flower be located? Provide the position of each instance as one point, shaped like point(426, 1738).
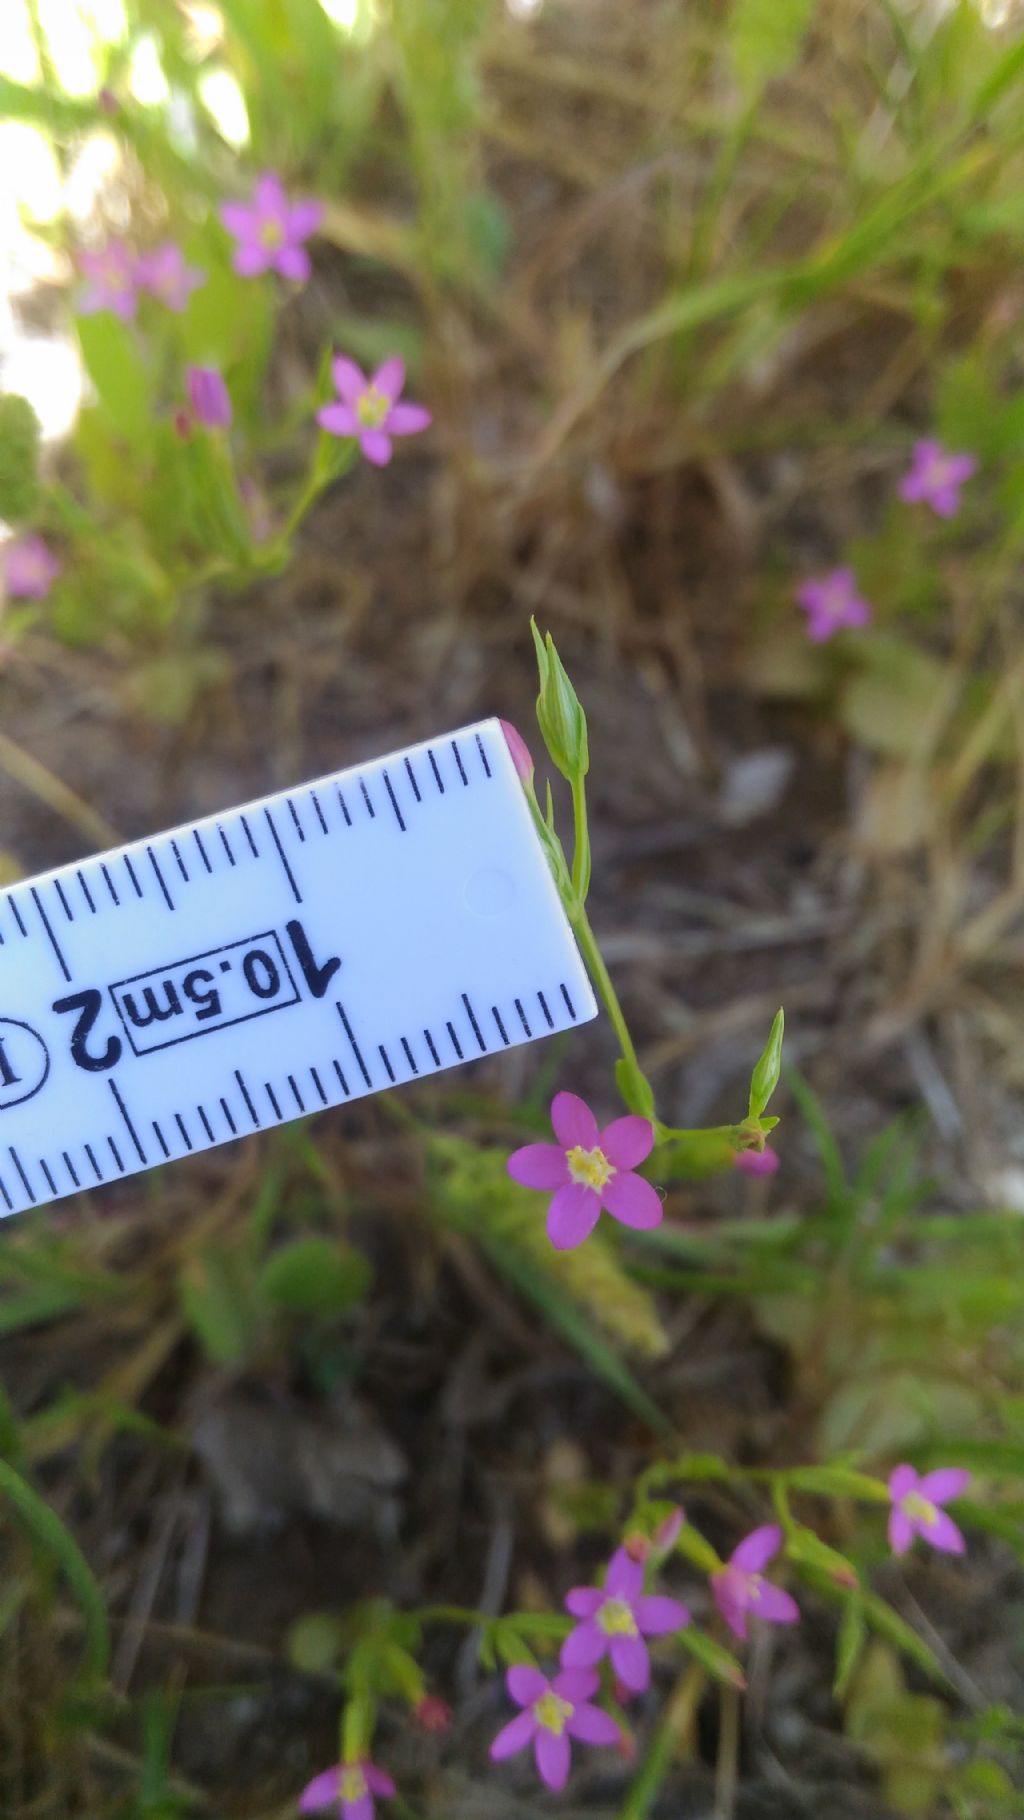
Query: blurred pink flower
point(831, 602)
point(740, 1588)
point(554, 1712)
point(165, 274)
point(589, 1169)
point(667, 1533)
point(208, 396)
point(111, 276)
point(370, 408)
point(270, 230)
point(756, 1162)
point(936, 476)
point(917, 1508)
point(30, 568)
point(346, 1789)
point(615, 1619)
point(433, 1713)
point(521, 755)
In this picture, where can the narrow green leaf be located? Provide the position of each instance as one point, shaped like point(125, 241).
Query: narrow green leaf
point(720, 1663)
point(50, 1534)
point(849, 1645)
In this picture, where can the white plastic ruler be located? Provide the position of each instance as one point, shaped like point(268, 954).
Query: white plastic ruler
point(315, 946)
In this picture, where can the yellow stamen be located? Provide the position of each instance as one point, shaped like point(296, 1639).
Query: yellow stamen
point(616, 1619)
point(272, 234)
point(589, 1167)
point(920, 1509)
point(353, 1783)
point(372, 407)
point(552, 1712)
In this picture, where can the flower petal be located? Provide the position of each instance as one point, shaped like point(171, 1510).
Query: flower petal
point(944, 1535)
point(948, 1482)
point(250, 258)
point(573, 1122)
point(513, 1737)
point(901, 1531)
point(584, 1601)
point(378, 1781)
point(572, 1215)
point(535, 1165)
point(627, 1142)
point(303, 219)
point(901, 1480)
point(376, 446)
point(775, 1605)
point(269, 196)
point(408, 419)
point(732, 1609)
point(757, 1549)
point(554, 1758)
point(657, 1616)
point(576, 1684)
point(525, 1684)
point(592, 1726)
point(584, 1646)
point(362, 1809)
point(625, 1577)
point(341, 420)
point(633, 1202)
point(389, 377)
point(631, 1662)
point(349, 378)
point(293, 262)
point(323, 1789)
point(237, 218)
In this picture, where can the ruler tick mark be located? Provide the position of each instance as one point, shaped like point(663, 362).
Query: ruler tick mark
point(26, 1184)
point(300, 1103)
point(51, 1184)
point(570, 1007)
point(168, 900)
point(70, 1167)
point(130, 869)
point(97, 1172)
point(385, 1058)
point(272, 1097)
point(522, 1017)
point(17, 916)
point(394, 802)
point(344, 806)
point(410, 1058)
point(161, 1139)
point(68, 912)
point(456, 1045)
point(204, 1121)
point(182, 868)
point(54, 944)
point(248, 835)
point(549, 1020)
point(315, 800)
point(7, 1198)
point(283, 856)
point(428, 1039)
point(458, 761)
point(243, 1089)
point(226, 844)
point(366, 799)
point(225, 1108)
point(179, 1121)
point(318, 1084)
point(299, 829)
point(433, 767)
point(116, 1154)
point(123, 1110)
point(341, 1078)
point(476, 1027)
point(412, 779)
point(483, 754)
point(110, 884)
point(86, 892)
point(204, 856)
point(502, 1032)
point(357, 1052)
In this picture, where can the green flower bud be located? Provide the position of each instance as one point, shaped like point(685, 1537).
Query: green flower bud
point(559, 713)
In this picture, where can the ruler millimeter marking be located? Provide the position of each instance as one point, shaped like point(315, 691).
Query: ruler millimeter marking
point(370, 928)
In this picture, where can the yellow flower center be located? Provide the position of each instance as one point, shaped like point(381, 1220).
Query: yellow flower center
point(590, 1167)
point(372, 407)
point(552, 1712)
point(616, 1619)
point(352, 1786)
point(272, 234)
point(754, 1587)
point(921, 1509)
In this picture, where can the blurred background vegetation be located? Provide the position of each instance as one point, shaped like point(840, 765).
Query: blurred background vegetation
point(682, 285)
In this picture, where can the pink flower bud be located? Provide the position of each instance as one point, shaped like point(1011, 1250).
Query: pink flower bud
point(667, 1533)
point(209, 397)
point(520, 751)
point(433, 1714)
point(183, 423)
point(637, 1547)
point(756, 1162)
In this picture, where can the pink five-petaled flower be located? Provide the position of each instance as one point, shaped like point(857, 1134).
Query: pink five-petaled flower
point(370, 408)
point(756, 1162)
point(935, 478)
point(615, 1619)
point(554, 1711)
point(270, 231)
point(29, 568)
point(917, 1508)
point(346, 1789)
point(111, 281)
point(208, 396)
point(831, 602)
point(589, 1169)
point(740, 1587)
point(165, 274)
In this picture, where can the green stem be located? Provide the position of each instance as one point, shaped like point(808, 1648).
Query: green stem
point(602, 980)
point(581, 843)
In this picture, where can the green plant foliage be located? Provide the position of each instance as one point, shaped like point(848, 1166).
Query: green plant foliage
point(19, 459)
